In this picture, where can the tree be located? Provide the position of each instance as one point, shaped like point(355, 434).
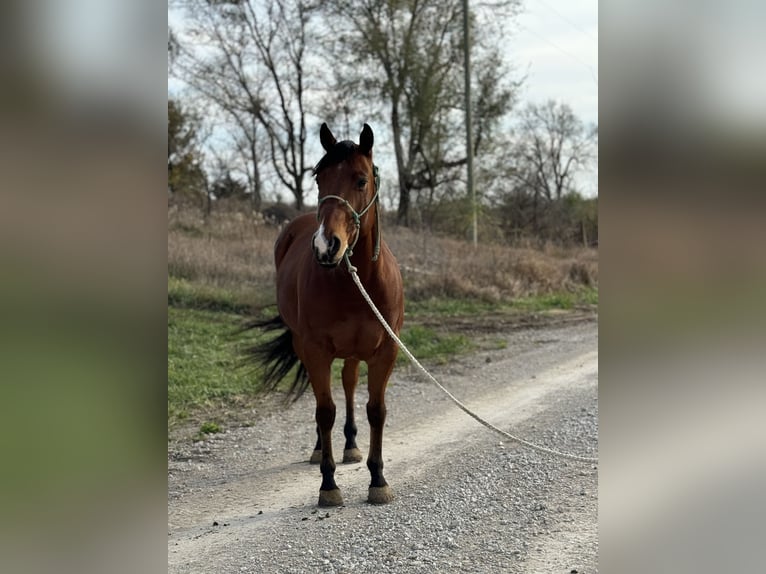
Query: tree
point(185, 173)
point(249, 61)
point(227, 187)
point(406, 55)
point(551, 146)
point(173, 47)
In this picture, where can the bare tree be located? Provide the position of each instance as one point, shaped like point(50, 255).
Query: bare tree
point(551, 146)
point(248, 58)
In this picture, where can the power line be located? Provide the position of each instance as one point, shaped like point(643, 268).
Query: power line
point(563, 51)
point(568, 21)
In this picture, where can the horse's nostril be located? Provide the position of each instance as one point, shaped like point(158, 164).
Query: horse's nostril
point(334, 244)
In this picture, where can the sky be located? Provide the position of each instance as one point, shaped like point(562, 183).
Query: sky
point(555, 43)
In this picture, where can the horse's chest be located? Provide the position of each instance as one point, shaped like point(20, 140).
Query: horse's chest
point(358, 339)
point(349, 335)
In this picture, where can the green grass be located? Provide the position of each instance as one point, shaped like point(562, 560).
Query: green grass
point(590, 296)
point(427, 344)
point(447, 307)
point(563, 301)
point(182, 293)
point(204, 369)
point(206, 373)
point(209, 428)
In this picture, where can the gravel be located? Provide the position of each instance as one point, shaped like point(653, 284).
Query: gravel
point(467, 500)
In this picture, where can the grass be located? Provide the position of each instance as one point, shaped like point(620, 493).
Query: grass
point(427, 344)
point(235, 253)
point(562, 301)
point(209, 428)
point(451, 307)
point(185, 294)
point(204, 369)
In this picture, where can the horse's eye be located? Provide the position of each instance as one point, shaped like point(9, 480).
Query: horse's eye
point(361, 184)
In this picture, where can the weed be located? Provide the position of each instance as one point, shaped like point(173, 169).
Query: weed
point(209, 428)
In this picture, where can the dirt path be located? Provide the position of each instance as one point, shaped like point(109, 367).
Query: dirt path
point(467, 500)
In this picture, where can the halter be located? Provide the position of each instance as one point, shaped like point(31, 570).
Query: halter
point(358, 216)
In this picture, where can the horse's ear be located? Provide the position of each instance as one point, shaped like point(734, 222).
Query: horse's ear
point(366, 140)
point(326, 137)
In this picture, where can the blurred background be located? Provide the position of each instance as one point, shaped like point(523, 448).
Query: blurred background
point(682, 150)
point(82, 253)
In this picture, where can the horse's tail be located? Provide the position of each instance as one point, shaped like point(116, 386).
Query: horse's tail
point(278, 358)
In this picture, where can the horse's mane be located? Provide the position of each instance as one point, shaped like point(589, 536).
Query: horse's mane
point(339, 152)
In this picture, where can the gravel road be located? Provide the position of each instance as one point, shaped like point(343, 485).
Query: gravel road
point(467, 500)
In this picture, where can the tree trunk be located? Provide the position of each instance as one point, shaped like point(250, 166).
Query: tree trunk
point(298, 194)
point(403, 211)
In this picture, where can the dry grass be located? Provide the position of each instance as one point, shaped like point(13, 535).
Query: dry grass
point(439, 266)
point(229, 251)
point(233, 251)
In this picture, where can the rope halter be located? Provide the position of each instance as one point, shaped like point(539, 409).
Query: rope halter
point(357, 217)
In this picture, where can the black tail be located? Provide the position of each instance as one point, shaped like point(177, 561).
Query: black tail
point(278, 358)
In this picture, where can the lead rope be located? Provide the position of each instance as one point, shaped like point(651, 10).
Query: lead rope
point(460, 405)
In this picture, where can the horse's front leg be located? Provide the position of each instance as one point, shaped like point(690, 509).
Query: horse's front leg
point(351, 452)
point(379, 371)
point(316, 456)
point(319, 375)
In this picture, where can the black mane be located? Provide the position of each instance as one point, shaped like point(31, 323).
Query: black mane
point(339, 152)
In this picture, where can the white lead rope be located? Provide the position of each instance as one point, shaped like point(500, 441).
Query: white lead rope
point(460, 405)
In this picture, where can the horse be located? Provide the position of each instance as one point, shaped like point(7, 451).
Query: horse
point(323, 317)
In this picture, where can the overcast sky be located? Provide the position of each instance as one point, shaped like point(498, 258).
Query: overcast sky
point(555, 42)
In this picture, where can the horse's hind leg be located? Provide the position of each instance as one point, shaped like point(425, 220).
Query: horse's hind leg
point(380, 370)
point(351, 452)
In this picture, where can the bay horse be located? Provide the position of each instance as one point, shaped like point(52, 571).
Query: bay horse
point(323, 316)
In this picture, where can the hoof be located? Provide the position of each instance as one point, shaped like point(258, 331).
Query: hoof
point(330, 497)
point(380, 495)
point(316, 457)
point(352, 455)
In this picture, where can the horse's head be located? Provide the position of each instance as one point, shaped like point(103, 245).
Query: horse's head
point(345, 177)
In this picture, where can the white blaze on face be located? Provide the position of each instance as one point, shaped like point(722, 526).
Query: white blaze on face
point(320, 243)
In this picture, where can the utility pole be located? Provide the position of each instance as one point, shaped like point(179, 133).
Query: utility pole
point(468, 128)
